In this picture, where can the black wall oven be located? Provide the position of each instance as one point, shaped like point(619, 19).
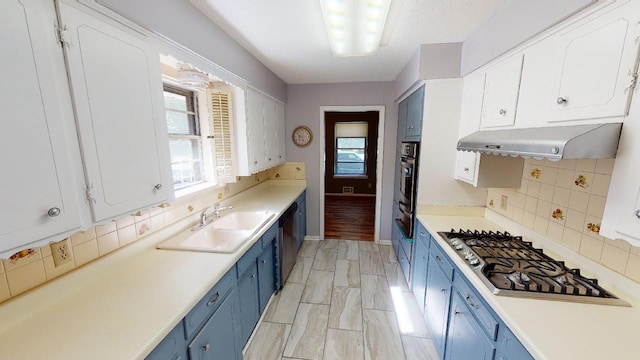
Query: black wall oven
point(408, 179)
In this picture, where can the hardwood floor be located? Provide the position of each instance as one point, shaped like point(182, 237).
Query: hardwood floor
point(349, 217)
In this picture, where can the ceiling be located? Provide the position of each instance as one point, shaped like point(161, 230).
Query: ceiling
point(289, 37)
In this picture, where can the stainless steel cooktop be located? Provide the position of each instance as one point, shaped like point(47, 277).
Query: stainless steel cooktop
point(510, 266)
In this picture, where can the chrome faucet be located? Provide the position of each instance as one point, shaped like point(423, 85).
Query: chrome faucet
point(218, 208)
point(203, 220)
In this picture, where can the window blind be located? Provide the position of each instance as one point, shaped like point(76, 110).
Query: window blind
point(220, 118)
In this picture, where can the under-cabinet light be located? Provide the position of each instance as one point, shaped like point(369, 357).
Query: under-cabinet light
point(354, 27)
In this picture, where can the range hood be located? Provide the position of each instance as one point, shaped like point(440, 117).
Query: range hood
point(599, 141)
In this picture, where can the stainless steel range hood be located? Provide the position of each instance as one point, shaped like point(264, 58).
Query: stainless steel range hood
point(599, 141)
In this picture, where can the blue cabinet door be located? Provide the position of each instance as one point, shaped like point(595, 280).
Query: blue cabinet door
point(436, 307)
point(172, 347)
point(402, 120)
point(218, 338)
point(419, 271)
point(396, 237)
point(415, 110)
point(249, 305)
point(301, 220)
point(266, 276)
point(509, 348)
point(465, 339)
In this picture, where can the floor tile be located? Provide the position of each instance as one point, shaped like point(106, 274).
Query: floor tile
point(410, 320)
point(347, 273)
point(268, 342)
point(371, 263)
point(387, 253)
point(416, 348)
point(308, 248)
point(343, 344)
point(301, 270)
point(325, 260)
point(346, 309)
point(284, 305)
point(395, 276)
point(348, 250)
point(381, 337)
point(307, 336)
point(368, 246)
point(318, 287)
point(329, 244)
point(375, 293)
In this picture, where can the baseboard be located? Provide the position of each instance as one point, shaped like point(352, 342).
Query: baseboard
point(384, 242)
point(310, 237)
point(343, 194)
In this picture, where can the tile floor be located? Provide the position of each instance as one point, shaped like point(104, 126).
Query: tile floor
point(343, 300)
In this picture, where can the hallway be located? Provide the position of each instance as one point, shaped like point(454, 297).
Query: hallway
point(343, 300)
point(349, 217)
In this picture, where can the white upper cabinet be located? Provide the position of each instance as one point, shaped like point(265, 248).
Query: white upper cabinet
point(255, 131)
point(39, 195)
point(117, 90)
point(270, 133)
point(281, 136)
point(582, 73)
point(470, 113)
point(501, 89)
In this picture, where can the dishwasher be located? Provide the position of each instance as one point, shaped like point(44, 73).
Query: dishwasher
point(288, 244)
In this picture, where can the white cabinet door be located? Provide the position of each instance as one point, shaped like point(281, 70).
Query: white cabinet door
point(117, 88)
point(281, 135)
point(255, 131)
point(501, 93)
point(37, 117)
point(470, 113)
point(270, 132)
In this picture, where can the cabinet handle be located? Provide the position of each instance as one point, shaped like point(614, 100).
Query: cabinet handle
point(561, 101)
point(471, 303)
point(53, 212)
point(443, 290)
point(466, 169)
point(206, 347)
point(637, 213)
point(255, 162)
point(179, 357)
point(214, 299)
point(253, 276)
point(158, 187)
point(264, 261)
point(269, 159)
point(279, 156)
point(422, 233)
point(438, 258)
point(456, 313)
point(503, 112)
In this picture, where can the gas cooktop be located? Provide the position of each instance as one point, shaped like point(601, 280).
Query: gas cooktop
point(512, 267)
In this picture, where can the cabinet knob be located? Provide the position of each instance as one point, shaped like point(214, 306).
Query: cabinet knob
point(206, 347)
point(53, 212)
point(637, 213)
point(561, 101)
point(264, 261)
point(255, 162)
point(279, 156)
point(214, 299)
point(438, 258)
point(503, 112)
point(443, 290)
point(456, 313)
point(158, 187)
point(466, 169)
point(269, 159)
point(253, 276)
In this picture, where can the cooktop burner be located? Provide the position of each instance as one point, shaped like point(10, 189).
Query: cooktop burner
point(513, 267)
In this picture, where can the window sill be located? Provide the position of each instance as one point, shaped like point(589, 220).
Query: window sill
point(194, 189)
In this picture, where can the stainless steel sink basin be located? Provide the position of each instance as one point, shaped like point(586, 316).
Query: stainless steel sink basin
point(224, 235)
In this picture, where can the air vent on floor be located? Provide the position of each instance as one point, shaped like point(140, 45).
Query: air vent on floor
point(347, 189)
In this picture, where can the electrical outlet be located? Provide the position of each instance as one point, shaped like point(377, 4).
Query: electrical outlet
point(503, 202)
point(60, 252)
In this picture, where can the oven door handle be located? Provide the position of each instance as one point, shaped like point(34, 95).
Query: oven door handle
point(404, 207)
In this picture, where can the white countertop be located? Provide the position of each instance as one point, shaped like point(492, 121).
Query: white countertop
point(122, 305)
point(554, 329)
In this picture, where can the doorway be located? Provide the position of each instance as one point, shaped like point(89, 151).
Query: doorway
point(351, 161)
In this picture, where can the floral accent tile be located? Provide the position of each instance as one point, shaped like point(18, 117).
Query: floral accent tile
point(491, 202)
point(535, 173)
point(581, 181)
point(21, 255)
point(595, 228)
point(557, 214)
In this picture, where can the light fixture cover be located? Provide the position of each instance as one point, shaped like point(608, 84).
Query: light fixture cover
point(354, 27)
point(192, 78)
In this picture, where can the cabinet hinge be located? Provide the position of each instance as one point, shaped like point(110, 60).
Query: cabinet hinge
point(88, 193)
point(634, 82)
point(60, 33)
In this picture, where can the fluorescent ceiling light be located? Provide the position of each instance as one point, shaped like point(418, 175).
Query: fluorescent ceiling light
point(354, 27)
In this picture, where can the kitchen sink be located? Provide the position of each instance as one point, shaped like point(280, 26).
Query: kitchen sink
point(224, 235)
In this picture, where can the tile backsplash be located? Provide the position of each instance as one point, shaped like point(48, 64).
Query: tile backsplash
point(564, 201)
point(35, 267)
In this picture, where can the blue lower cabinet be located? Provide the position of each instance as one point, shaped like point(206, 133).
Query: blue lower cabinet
point(266, 276)
point(405, 265)
point(172, 347)
point(465, 338)
point(249, 302)
point(436, 307)
point(301, 218)
point(509, 348)
point(396, 238)
point(218, 339)
point(419, 272)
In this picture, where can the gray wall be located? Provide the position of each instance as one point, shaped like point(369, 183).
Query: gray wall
point(303, 108)
point(515, 23)
point(180, 21)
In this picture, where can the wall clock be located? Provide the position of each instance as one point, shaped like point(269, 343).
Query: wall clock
point(302, 136)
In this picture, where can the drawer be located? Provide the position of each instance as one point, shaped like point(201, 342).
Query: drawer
point(270, 235)
point(422, 235)
point(209, 303)
point(249, 258)
point(441, 259)
point(477, 306)
point(172, 347)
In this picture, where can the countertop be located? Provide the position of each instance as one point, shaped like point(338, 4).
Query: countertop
point(122, 305)
point(555, 329)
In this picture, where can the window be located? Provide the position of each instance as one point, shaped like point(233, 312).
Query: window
point(350, 156)
point(185, 142)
